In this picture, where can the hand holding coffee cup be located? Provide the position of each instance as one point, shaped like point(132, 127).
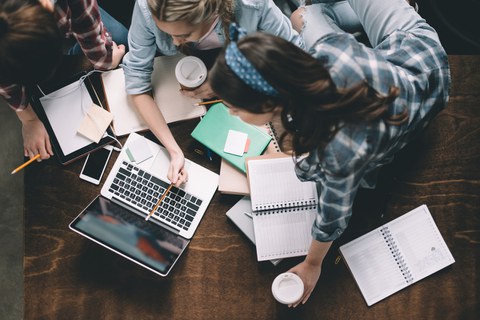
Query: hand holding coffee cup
point(190, 72)
point(287, 288)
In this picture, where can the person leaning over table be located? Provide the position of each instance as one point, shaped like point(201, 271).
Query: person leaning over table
point(166, 27)
point(349, 108)
point(33, 36)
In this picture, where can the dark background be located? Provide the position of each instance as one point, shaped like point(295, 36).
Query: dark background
point(457, 22)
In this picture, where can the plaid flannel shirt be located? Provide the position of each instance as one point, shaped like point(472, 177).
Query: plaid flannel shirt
point(79, 19)
point(412, 61)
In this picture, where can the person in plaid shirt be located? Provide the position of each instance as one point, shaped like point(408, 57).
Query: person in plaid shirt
point(33, 37)
point(349, 108)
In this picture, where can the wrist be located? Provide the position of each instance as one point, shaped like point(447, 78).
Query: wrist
point(314, 261)
point(317, 252)
point(27, 115)
point(174, 151)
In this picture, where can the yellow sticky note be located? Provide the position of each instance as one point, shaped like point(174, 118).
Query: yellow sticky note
point(95, 123)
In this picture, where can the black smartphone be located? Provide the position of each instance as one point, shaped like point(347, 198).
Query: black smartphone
point(95, 165)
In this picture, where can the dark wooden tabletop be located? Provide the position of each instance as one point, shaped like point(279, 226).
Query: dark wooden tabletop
point(218, 277)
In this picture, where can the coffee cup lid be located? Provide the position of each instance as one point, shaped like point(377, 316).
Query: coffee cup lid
point(287, 288)
point(190, 71)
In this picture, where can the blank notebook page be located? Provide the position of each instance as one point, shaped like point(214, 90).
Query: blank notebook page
point(283, 233)
point(274, 184)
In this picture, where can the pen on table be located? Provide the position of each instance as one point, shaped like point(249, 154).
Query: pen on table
point(207, 102)
point(209, 154)
point(20, 167)
point(159, 201)
point(248, 214)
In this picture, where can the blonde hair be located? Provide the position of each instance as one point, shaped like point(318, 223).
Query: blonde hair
point(192, 11)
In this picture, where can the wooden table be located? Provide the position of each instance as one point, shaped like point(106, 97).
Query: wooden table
point(218, 277)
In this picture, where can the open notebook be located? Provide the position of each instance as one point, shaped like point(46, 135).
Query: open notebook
point(284, 207)
point(396, 255)
point(172, 103)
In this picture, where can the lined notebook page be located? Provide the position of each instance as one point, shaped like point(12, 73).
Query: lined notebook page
point(376, 262)
point(420, 243)
point(373, 266)
point(274, 184)
point(283, 233)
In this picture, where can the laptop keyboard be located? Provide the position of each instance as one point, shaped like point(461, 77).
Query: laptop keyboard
point(141, 190)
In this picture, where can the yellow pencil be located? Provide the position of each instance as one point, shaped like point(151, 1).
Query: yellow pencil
point(20, 167)
point(207, 102)
point(159, 201)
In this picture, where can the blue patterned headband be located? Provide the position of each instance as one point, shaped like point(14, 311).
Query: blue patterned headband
point(240, 65)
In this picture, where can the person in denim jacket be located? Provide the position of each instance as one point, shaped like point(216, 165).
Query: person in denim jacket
point(166, 27)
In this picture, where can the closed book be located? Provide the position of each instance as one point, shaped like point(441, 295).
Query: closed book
point(212, 131)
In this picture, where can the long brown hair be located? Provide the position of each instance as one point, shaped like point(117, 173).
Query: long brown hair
point(30, 42)
point(313, 108)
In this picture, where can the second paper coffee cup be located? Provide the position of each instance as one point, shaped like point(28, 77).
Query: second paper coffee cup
point(190, 72)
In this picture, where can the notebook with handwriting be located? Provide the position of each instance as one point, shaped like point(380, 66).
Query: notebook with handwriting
point(396, 255)
point(284, 207)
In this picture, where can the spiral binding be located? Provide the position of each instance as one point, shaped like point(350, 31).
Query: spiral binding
point(287, 209)
point(273, 133)
point(392, 246)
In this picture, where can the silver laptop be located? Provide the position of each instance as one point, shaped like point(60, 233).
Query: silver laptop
point(134, 185)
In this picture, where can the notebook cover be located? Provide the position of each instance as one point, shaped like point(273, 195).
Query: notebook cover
point(213, 129)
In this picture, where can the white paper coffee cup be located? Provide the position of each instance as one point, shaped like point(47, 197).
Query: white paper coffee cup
point(190, 72)
point(287, 288)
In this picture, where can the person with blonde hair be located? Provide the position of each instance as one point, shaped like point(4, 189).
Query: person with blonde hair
point(194, 27)
point(349, 108)
point(33, 37)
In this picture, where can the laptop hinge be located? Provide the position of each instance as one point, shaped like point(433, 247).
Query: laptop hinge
point(143, 215)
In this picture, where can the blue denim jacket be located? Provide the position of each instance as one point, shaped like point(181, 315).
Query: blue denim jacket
point(145, 39)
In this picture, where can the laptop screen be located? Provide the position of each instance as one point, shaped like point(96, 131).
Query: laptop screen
point(129, 235)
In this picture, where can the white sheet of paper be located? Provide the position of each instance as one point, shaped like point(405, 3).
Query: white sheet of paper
point(65, 110)
point(235, 143)
point(139, 151)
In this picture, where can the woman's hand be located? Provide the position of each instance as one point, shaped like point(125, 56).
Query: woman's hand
point(177, 172)
point(202, 92)
point(35, 136)
point(309, 273)
point(118, 51)
point(310, 269)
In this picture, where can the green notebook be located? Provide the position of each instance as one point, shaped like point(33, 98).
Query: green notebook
point(213, 129)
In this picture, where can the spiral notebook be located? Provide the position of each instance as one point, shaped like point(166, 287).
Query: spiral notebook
point(396, 255)
point(284, 207)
